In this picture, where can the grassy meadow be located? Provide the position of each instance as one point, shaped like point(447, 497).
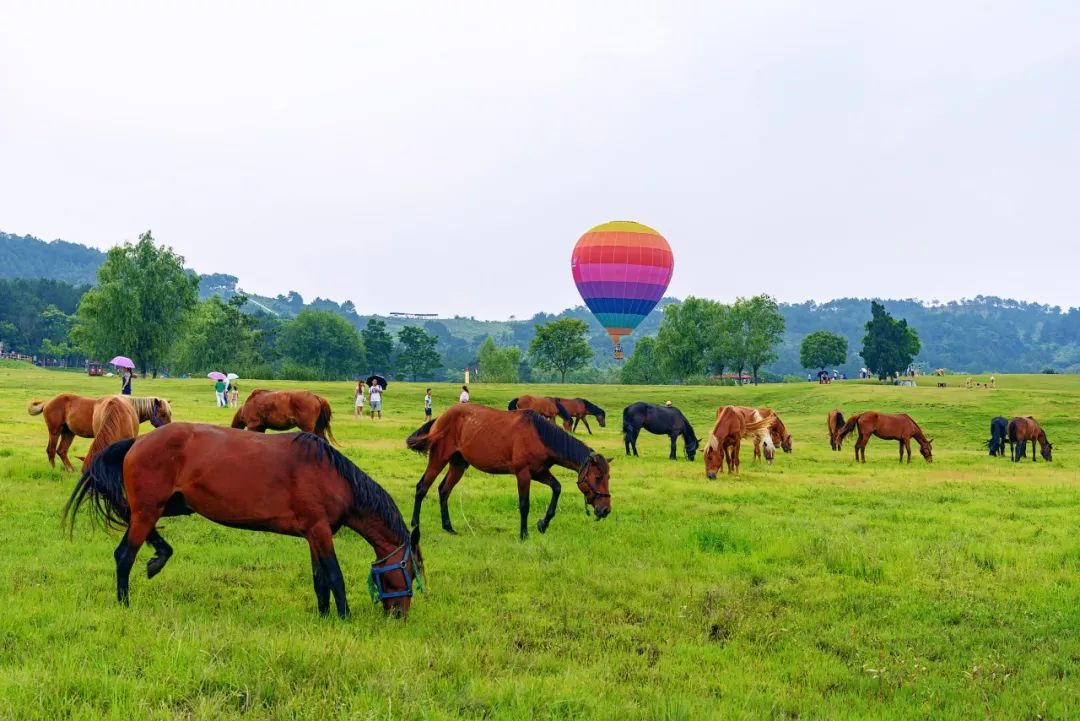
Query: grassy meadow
point(814, 588)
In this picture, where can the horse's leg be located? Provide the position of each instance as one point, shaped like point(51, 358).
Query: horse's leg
point(524, 478)
point(162, 552)
point(50, 449)
point(434, 468)
point(321, 541)
point(550, 481)
point(574, 427)
point(584, 420)
point(673, 456)
point(901, 442)
point(66, 439)
point(457, 470)
point(735, 450)
point(322, 588)
point(140, 527)
point(634, 437)
point(757, 449)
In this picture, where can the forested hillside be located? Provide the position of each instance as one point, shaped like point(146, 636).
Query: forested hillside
point(24, 256)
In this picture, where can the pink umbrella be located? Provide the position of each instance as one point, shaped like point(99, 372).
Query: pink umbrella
point(216, 376)
point(122, 362)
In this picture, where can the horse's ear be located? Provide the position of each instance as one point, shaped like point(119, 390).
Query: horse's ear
point(414, 539)
point(610, 460)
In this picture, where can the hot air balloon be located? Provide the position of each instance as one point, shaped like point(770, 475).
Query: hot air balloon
point(621, 269)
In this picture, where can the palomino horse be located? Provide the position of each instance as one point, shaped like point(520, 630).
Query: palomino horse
point(661, 420)
point(1022, 430)
point(999, 434)
point(68, 415)
point(547, 407)
point(295, 484)
point(521, 443)
point(889, 427)
point(835, 420)
point(281, 410)
point(114, 420)
point(580, 410)
point(732, 425)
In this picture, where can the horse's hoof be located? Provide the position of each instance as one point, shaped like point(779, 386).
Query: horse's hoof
point(542, 525)
point(450, 530)
point(154, 566)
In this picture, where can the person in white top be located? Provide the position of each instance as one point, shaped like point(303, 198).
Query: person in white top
point(464, 397)
point(375, 399)
point(360, 387)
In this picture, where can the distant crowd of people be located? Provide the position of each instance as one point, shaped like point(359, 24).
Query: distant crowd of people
point(371, 395)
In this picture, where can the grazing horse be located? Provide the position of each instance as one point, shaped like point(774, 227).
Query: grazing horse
point(520, 443)
point(889, 427)
point(661, 420)
point(114, 420)
point(68, 415)
point(1022, 430)
point(282, 410)
point(580, 410)
point(777, 431)
point(999, 434)
point(295, 484)
point(835, 420)
point(547, 407)
point(732, 425)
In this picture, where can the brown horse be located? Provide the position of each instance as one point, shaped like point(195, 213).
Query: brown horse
point(777, 429)
point(725, 441)
point(889, 427)
point(521, 443)
point(836, 421)
point(580, 410)
point(114, 420)
point(295, 484)
point(282, 410)
point(68, 415)
point(1022, 430)
point(547, 407)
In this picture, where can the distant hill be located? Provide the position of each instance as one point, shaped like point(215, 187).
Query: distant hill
point(24, 256)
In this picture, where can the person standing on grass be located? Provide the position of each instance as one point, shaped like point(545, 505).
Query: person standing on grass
point(234, 394)
point(125, 382)
point(375, 398)
point(219, 391)
point(360, 386)
point(464, 397)
point(427, 405)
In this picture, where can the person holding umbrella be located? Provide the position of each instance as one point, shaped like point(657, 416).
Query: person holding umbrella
point(376, 387)
point(126, 366)
point(219, 387)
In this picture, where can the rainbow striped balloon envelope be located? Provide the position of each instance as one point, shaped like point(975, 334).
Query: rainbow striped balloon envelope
point(622, 270)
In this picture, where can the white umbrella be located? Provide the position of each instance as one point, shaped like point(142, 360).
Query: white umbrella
point(231, 377)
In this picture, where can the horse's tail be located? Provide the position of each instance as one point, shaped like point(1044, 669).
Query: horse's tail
point(421, 440)
point(118, 419)
point(322, 423)
point(839, 419)
point(512, 405)
point(847, 428)
point(1011, 431)
point(759, 429)
point(103, 483)
point(35, 407)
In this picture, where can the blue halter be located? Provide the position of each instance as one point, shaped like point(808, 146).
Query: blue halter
point(407, 565)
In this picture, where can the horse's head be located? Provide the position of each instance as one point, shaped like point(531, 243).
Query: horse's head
point(714, 459)
point(1047, 452)
point(391, 579)
point(692, 446)
point(593, 478)
point(160, 412)
point(768, 449)
point(601, 418)
point(785, 443)
point(927, 450)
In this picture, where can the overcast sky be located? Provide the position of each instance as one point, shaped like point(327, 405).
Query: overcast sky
point(445, 157)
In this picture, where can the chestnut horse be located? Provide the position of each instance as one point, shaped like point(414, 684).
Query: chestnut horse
point(1022, 430)
point(889, 427)
point(733, 423)
point(580, 410)
point(777, 432)
point(114, 420)
point(68, 415)
point(521, 443)
point(281, 410)
point(836, 421)
point(295, 484)
point(547, 407)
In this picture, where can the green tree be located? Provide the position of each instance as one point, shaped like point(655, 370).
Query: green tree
point(417, 356)
point(764, 329)
point(643, 365)
point(498, 365)
point(378, 343)
point(324, 342)
point(684, 340)
point(561, 346)
point(823, 348)
point(139, 305)
point(889, 345)
point(217, 336)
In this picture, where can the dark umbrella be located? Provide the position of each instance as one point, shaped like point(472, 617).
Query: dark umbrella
point(376, 377)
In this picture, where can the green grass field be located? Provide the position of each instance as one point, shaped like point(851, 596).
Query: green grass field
point(815, 588)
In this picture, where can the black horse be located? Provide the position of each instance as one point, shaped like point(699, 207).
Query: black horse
point(661, 420)
point(998, 436)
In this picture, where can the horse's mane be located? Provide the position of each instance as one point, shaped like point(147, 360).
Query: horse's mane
point(592, 407)
point(688, 431)
point(145, 406)
point(557, 440)
point(561, 411)
point(512, 406)
point(115, 426)
point(368, 494)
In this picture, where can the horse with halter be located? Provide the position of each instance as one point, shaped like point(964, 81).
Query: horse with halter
point(661, 420)
point(294, 484)
point(281, 410)
point(519, 443)
point(890, 427)
point(1020, 431)
point(999, 434)
point(580, 410)
point(725, 441)
point(547, 407)
point(835, 419)
point(68, 415)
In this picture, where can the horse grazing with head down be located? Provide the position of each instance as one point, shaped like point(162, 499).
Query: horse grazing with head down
point(835, 419)
point(889, 427)
point(114, 420)
point(1020, 431)
point(295, 484)
point(68, 415)
point(999, 434)
point(580, 410)
point(733, 423)
point(661, 420)
point(281, 410)
point(518, 443)
point(547, 407)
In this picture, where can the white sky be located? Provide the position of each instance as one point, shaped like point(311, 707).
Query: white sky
point(445, 157)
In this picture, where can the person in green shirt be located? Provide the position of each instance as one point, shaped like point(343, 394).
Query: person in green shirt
point(219, 388)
